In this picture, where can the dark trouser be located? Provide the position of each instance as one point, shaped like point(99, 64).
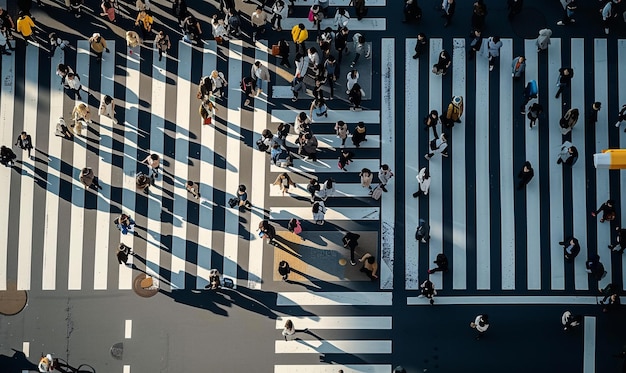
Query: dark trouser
point(561, 86)
point(312, 155)
point(339, 55)
point(438, 269)
point(368, 273)
point(522, 184)
point(300, 47)
point(284, 60)
point(493, 60)
point(356, 58)
point(145, 34)
point(331, 84)
point(98, 56)
point(276, 21)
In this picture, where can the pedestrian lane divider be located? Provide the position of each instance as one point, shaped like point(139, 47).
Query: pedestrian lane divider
point(332, 213)
point(481, 241)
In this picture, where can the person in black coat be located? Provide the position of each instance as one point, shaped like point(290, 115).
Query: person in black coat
point(351, 241)
point(443, 62)
point(620, 241)
point(25, 142)
point(359, 134)
point(594, 267)
point(565, 77)
point(421, 46)
point(479, 13)
point(268, 231)
point(571, 248)
point(284, 269)
point(441, 262)
point(412, 11)
point(7, 156)
point(525, 175)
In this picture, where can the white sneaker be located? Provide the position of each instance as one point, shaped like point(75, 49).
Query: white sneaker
point(617, 124)
point(560, 23)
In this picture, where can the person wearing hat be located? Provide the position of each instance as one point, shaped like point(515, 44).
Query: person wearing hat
point(98, 45)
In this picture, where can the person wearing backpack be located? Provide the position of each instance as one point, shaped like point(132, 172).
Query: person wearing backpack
point(454, 112)
point(242, 195)
point(441, 262)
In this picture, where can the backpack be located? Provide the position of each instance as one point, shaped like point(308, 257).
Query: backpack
point(442, 260)
point(377, 193)
point(261, 145)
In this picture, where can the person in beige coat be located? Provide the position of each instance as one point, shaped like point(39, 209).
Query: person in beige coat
point(260, 73)
point(341, 128)
point(98, 45)
point(132, 40)
point(284, 182)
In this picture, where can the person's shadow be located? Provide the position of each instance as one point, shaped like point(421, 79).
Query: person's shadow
point(16, 363)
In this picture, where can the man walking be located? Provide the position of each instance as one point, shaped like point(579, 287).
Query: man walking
point(350, 241)
point(565, 77)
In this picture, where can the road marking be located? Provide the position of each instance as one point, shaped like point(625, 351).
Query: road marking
point(128, 329)
point(589, 347)
point(338, 322)
point(326, 165)
point(332, 368)
point(334, 299)
point(366, 24)
point(341, 190)
point(126, 369)
point(621, 53)
point(26, 348)
point(302, 346)
point(503, 299)
point(365, 116)
point(340, 3)
point(325, 141)
point(332, 213)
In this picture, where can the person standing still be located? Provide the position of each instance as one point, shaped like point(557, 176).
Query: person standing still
point(525, 175)
point(25, 142)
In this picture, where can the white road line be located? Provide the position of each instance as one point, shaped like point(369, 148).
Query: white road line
point(557, 270)
point(257, 196)
point(338, 322)
point(600, 78)
point(333, 368)
point(387, 153)
point(51, 225)
point(507, 169)
point(365, 116)
point(128, 329)
point(340, 3)
point(27, 189)
point(411, 153)
point(483, 212)
point(501, 299)
point(7, 105)
point(459, 179)
point(435, 193)
point(205, 219)
point(332, 213)
point(341, 190)
point(579, 187)
point(533, 242)
point(326, 165)
point(589, 345)
point(621, 53)
point(77, 216)
point(331, 141)
point(334, 299)
point(126, 369)
point(26, 348)
point(181, 167)
point(314, 346)
point(233, 144)
point(366, 24)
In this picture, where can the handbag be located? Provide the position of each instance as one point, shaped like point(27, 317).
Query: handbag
point(207, 121)
point(219, 39)
point(275, 50)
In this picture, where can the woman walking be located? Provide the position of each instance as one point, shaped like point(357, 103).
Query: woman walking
point(345, 158)
point(162, 43)
point(319, 210)
point(295, 227)
point(423, 180)
point(607, 209)
point(284, 182)
point(366, 176)
point(290, 329)
point(525, 175)
point(543, 40)
point(341, 129)
point(359, 135)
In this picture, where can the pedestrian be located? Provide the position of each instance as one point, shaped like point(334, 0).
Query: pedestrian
point(518, 66)
point(607, 209)
point(192, 32)
point(153, 161)
point(366, 176)
point(261, 74)
point(331, 68)
point(125, 224)
point(179, 10)
point(284, 182)
point(359, 135)
point(384, 175)
point(533, 113)
point(299, 34)
point(423, 181)
point(324, 4)
point(7, 156)
point(569, 6)
point(107, 107)
point(448, 9)
point(242, 195)
point(284, 270)
point(570, 321)
point(525, 175)
point(341, 44)
point(351, 241)
point(98, 45)
point(302, 65)
point(475, 44)
point(319, 210)
point(88, 179)
point(258, 19)
point(345, 158)
point(72, 82)
point(341, 129)
point(248, 87)
point(320, 79)
point(621, 116)
point(439, 144)
point(81, 115)
point(565, 77)
point(55, 42)
point(162, 43)
point(283, 53)
point(568, 154)
point(607, 14)
point(370, 267)
point(412, 12)
point(314, 60)
point(327, 189)
point(360, 47)
point(493, 47)
point(543, 40)
point(351, 79)
point(308, 146)
point(427, 289)
point(219, 30)
point(233, 26)
point(571, 248)
point(421, 45)
point(422, 233)
point(569, 120)
point(620, 241)
point(515, 7)
point(319, 107)
point(341, 18)
point(123, 252)
point(454, 112)
point(142, 181)
point(593, 114)
point(479, 13)
point(442, 264)
point(355, 96)
point(612, 303)
point(47, 363)
point(316, 16)
point(295, 227)
point(62, 71)
point(359, 8)
point(279, 12)
point(109, 8)
point(313, 187)
point(5, 20)
point(443, 63)
point(267, 231)
point(215, 281)
point(132, 40)
point(289, 329)
point(481, 324)
point(594, 267)
point(25, 142)
point(62, 130)
point(193, 189)
point(25, 26)
point(607, 291)
point(4, 41)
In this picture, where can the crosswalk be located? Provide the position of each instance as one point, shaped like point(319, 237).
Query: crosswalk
point(498, 238)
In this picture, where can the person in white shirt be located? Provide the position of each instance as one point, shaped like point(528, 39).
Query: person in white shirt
point(423, 179)
point(279, 12)
point(341, 18)
point(314, 59)
point(481, 324)
point(360, 48)
point(327, 189)
point(73, 83)
point(351, 79)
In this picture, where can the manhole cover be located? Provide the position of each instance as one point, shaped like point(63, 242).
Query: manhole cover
point(117, 351)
